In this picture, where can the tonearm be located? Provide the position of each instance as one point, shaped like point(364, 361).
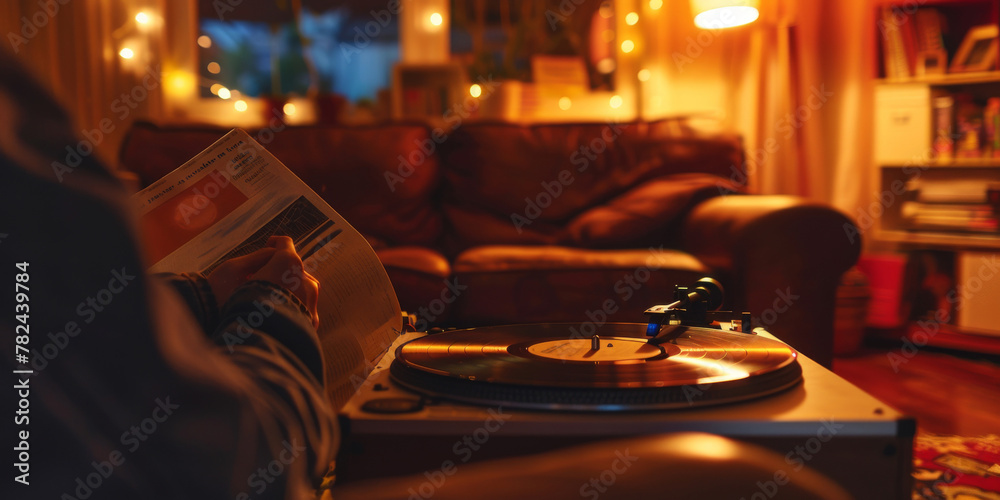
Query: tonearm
point(695, 305)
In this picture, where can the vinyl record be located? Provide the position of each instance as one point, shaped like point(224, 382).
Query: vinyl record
point(552, 366)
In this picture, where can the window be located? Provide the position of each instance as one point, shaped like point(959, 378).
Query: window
point(261, 49)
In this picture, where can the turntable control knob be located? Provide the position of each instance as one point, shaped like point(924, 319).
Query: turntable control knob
point(595, 343)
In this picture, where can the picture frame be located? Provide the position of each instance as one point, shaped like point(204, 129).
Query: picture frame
point(978, 51)
point(931, 62)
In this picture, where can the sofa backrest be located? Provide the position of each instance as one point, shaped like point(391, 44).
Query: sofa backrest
point(359, 171)
point(525, 184)
point(581, 184)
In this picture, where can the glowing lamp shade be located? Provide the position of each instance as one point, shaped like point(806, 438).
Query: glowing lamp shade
point(715, 14)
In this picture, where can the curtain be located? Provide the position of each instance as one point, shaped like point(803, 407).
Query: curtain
point(73, 48)
point(806, 93)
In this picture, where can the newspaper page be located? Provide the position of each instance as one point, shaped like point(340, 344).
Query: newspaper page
point(228, 200)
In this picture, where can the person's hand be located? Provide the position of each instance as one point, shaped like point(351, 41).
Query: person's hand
point(233, 273)
point(285, 268)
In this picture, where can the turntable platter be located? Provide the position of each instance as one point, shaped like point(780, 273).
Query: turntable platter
point(543, 366)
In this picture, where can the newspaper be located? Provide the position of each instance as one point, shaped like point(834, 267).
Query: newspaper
point(228, 200)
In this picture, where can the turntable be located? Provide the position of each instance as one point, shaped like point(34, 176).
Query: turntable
point(500, 391)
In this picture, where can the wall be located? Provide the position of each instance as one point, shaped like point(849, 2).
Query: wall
point(693, 71)
point(72, 47)
point(742, 77)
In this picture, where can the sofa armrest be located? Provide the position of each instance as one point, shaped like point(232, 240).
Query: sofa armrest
point(782, 257)
point(420, 278)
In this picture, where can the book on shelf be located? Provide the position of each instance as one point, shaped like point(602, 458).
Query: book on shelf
point(944, 119)
point(966, 190)
point(931, 56)
point(908, 34)
point(968, 127)
point(894, 56)
point(949, 216)
point(971, 210)
point(991, 123)
point(912, 41)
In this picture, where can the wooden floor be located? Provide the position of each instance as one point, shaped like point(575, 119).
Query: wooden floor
point(947, 392)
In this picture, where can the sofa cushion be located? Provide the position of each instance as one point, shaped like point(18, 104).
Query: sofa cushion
point(652, 212)
point(474, 226)
point(368, 174)
point(525, 284)
point(534, 179)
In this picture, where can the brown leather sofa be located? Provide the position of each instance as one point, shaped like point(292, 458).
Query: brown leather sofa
point(494, 223)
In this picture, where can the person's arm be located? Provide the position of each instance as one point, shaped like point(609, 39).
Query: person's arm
point(266, 329)
point(263, 315)
point(196, 291)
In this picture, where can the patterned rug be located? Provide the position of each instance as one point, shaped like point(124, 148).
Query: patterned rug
point(956, 467)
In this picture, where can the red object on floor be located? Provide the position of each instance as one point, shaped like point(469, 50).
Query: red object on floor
point(885, 279)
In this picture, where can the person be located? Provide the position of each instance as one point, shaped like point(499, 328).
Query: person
point(132, 393)
point(124, 387)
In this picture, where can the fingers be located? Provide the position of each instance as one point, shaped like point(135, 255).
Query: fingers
point(311, 285)
point(285, 268)
point(248, 264)
point(278, 263)
point(234, 272)
point(284, 253)
point(281, 243)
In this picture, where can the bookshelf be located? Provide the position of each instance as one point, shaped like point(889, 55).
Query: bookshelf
point(936, 161)
point(428, 92)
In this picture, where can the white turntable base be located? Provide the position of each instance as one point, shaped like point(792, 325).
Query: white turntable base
point(825, 423)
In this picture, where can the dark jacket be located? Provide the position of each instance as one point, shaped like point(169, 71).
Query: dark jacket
point(133, 391)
